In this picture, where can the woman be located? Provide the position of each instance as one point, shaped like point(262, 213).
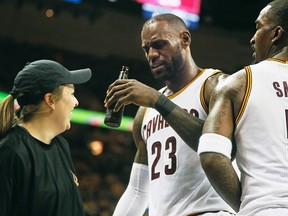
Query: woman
point(37, 174)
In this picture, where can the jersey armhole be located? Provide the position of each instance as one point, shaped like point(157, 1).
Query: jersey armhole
point(202, 98)
point(247, 94)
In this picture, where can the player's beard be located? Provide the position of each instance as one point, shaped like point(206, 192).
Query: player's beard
point(173, 68)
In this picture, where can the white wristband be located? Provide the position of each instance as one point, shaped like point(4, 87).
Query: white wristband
point(211, 142)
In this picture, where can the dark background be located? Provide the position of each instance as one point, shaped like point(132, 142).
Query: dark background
point(103, 36)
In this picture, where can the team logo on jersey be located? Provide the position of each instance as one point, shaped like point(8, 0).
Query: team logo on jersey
point(75, 179)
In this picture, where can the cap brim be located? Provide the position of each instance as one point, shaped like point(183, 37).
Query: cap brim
point(79, 76)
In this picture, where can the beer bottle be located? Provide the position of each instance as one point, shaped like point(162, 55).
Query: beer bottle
point(113, 119)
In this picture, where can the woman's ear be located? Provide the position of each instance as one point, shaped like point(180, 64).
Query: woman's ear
point(185, 38)
point(49, 100)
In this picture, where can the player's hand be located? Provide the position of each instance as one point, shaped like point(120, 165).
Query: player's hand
point(127, 91)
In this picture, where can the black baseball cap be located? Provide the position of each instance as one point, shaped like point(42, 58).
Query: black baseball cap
point(43, 76)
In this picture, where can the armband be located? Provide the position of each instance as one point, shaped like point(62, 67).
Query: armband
point(211, 142)
point(164, 106)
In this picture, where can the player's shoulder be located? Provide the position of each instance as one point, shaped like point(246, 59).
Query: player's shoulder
point(215, 76)
point(232, 84)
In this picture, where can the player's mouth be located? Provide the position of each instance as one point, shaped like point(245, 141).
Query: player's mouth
point(157, 68)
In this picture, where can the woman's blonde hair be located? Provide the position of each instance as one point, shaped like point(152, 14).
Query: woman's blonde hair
point(10, 117)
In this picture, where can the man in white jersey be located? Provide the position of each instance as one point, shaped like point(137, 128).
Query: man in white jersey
point(166, 174)
point(252, 105)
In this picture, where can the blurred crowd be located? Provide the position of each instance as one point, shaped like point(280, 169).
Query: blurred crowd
point(103, 177)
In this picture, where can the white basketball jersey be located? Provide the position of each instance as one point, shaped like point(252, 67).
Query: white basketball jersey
point(178, 185)
point(262, 138)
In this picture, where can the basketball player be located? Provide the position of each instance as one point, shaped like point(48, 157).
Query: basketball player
point(166, 175)
point(252, 104)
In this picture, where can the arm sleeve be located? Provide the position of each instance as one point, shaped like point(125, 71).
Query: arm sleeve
point(134, 200)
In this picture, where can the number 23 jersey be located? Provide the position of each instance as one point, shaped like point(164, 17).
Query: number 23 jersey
point(178, 185)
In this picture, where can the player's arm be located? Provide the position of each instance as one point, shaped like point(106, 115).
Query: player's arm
point(134, 200)
point(124, 92)
point(188, 127)
point(215, 146)
point(211, 83)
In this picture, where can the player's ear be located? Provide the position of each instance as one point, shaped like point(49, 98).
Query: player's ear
point(279, 32)
point(185, 38)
